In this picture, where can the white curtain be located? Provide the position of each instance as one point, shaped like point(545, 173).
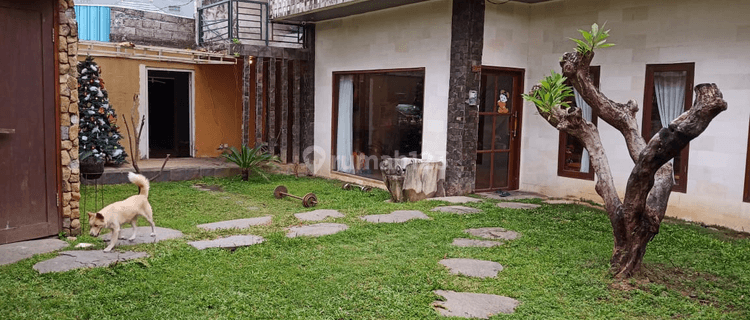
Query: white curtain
point(344, 161)
point(587, 114)
point(670, 96)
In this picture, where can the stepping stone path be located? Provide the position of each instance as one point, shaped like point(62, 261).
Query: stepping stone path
point(472, 268)
point(583, 203)
point(473, 305)
point(144, 235)
point(208, 188)
point(14, 252)
point(70, 260)
point(236, 224)
point(456, 209)
point(228, 242)
point(493, 233)
point(461, 242)
point(560, 201)
point(514, 195)
point(316, 230)
point(396, 216)
point(318, 215)
point(458, 199)
point(518, 205)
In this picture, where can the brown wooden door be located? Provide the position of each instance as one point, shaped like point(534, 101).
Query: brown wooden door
point(498, 144)
point(28, 139)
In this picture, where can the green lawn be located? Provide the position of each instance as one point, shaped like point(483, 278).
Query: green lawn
point(558, 268)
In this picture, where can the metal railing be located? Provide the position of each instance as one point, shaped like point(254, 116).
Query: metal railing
point(245, 21)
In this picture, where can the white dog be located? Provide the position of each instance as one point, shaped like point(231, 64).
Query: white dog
point(115, 215)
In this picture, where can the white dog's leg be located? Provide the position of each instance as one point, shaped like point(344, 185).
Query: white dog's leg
point(113, 239)
point(150, 217)
point(133, 223)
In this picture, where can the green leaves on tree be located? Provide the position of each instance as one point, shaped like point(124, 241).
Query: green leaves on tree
point(552, 91)
point(595, 39)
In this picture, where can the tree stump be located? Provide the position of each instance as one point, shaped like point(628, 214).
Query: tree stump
point(412, 179)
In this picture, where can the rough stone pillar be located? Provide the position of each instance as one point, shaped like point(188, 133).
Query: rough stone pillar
point(246, 100)
point(467, 41)
point(68, 61)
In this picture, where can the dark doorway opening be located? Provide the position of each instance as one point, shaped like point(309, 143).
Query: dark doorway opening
point(168, 114)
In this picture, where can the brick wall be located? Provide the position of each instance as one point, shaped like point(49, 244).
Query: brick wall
point(68, 51)
point(149, 28)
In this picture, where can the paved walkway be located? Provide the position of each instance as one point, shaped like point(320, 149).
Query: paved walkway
point(14, 252)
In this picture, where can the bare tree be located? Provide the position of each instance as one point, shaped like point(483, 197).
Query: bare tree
point(636, 218)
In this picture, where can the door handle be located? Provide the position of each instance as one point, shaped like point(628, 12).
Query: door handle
point(7, 131)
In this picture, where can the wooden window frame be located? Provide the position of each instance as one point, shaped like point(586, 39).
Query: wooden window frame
point(648, 102)
point(595, 73)
point(335, 106)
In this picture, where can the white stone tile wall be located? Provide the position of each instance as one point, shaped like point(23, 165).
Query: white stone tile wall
point(715, 35)
point(412, 36)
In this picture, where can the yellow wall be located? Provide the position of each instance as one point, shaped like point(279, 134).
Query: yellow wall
point(218, 99)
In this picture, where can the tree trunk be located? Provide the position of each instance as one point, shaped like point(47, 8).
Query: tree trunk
point(245, 174)
point(636, 219)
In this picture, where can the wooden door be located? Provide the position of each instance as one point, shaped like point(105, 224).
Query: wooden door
point(499, 135)
point(28, 129)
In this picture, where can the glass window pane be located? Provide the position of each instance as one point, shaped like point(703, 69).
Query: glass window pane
point(500, 178)
point(502, 133)
point(386, 119)
point(488, 93)
point(484, 165)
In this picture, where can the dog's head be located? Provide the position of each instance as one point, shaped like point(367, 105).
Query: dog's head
point(96, 223)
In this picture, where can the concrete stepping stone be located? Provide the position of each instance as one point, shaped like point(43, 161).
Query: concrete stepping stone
point(517, 205)
point(461, 242)
point(316, 230)
point(472, 267)
point(514, 195)
point(456, 199)
point(228, 242)
point(493, 233)
point(396, 216)
point(236, 224)
point(473, 305)
point(456, 209)
point(70, 260)
point(143, 236)
point(318, 215)
point(208, 188)
point(14, 252)
point(560, 201)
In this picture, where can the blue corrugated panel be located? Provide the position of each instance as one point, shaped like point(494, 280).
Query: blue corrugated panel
point(93, 23)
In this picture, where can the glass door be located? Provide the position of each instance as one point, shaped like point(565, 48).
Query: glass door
point(498, 144)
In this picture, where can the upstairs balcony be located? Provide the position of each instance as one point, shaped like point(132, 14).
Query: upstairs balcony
point(319, 10)
point(245, 22)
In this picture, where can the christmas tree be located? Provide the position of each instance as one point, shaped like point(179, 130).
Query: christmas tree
point(99, 136)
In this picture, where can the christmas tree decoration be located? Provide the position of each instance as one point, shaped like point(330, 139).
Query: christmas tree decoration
point(98, 129)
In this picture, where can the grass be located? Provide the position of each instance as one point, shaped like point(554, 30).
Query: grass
point(558, 268)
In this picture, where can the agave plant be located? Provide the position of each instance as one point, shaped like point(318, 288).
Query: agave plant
point(250, 159)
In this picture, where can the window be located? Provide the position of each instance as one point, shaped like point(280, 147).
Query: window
point(572, 159)
point(668, 94)
point(376, 114)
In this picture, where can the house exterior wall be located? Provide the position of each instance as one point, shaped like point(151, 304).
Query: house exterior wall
point(412, 36)
point(217, 105)
point(151, 28)
point(714, 35)
point(67, 42)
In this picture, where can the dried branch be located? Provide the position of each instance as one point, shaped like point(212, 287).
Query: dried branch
point(161, 170)
point(134, 156)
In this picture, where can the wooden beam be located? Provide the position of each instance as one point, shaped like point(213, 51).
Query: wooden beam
point(296, 112)
point(259, 101)
point(272, 140)
point(284, 110)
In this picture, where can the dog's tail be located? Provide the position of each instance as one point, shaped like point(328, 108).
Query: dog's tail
point(140, 181)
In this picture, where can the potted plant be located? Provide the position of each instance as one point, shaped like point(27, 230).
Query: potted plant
point(92, 165)
point(250, 159)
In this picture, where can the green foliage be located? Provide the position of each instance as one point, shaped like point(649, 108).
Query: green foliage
point(558, 268)
point(595, 39)
point(552, 92)
point(252, 159)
